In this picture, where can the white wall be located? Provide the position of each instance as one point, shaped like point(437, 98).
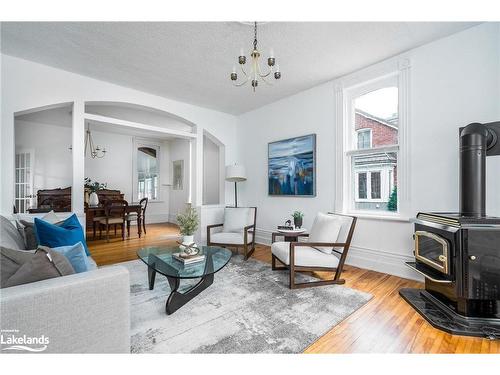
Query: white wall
point(50, 143)
point(116, 170)
point(454, 81)
point(211, 172)
point(179, 150)
point(27, 85)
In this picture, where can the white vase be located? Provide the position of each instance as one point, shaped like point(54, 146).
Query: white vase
point(93, 199)
point(186, 241)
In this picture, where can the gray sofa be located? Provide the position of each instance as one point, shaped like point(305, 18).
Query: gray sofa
point(87, 312)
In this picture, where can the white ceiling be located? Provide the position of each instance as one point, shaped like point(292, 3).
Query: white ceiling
point(191, 61)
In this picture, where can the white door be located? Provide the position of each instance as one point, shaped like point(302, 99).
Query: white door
point(24, 180)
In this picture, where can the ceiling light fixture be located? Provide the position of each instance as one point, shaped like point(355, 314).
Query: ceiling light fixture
point(255, 74)
point(95, 152)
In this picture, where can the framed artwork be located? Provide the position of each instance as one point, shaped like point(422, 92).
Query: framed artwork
point(292, 167)
point(178, 174)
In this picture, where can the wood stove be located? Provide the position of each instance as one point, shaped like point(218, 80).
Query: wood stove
point(459, 253)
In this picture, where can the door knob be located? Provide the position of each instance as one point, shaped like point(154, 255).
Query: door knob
point(472, 257)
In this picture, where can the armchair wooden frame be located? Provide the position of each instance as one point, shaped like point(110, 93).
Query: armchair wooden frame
point(293, 268)
point(248, 248)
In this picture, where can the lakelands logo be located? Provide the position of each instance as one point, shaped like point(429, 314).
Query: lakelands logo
point(11, 340)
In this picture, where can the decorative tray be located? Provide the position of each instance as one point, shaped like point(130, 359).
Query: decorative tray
point(292, 231)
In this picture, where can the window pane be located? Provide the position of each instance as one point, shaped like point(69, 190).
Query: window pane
point(377, 111)
point(362, 186)
point(147, 172)
point(376, 181)
point(364, 139)
point(375, 184)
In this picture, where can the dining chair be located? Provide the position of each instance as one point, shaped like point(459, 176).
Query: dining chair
point(133, 216)
point(115, 212)
point(95, 221)
point(325, 249)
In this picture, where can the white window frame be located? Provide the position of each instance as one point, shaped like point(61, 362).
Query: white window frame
point(396, 70)
point(365, 130)
point(138, 142)
point(384, 185)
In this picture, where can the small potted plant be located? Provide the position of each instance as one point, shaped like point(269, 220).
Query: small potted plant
point(188, 223)
point(297, 219)
point(93, 188)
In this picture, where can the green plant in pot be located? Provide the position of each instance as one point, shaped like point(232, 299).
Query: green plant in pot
point(188, 224)
point(297, 219)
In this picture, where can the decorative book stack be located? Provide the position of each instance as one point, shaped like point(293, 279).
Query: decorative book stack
point(190, 259)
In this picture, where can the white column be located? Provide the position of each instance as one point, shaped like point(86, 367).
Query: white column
point(78, 141)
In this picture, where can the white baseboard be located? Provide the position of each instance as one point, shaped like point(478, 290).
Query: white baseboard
point(371, 259)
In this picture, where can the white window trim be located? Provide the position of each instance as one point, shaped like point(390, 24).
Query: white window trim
point(365, 130)
point(367, 80)
point(138, 142)
point(384, 186)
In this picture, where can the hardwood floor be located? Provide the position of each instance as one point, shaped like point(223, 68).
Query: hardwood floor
point(386, 324)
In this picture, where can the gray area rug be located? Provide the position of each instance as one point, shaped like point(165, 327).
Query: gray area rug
point(248, 309)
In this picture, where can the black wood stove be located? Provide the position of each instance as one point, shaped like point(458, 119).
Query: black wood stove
point(459, 253)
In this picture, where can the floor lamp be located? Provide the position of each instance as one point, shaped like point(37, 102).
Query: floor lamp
point(235, 173)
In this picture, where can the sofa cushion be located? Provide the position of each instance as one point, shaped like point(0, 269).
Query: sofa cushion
point(326, 228)
point(9, 235)
point(236, 219)
point(229, 238)
point(44, 264)
point(305, 256)
point(69, 232)
point(27, 230)
point(76, 256)
point(10, 261)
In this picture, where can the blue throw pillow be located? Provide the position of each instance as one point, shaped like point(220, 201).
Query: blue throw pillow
point(76, 256)
point(67, 233)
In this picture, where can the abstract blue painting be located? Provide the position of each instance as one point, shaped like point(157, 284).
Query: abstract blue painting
point(292, 166)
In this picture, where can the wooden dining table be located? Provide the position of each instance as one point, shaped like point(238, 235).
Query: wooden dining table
point(93, 211)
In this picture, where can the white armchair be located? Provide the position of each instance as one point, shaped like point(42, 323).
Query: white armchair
point(325, 250)
point(238, 230)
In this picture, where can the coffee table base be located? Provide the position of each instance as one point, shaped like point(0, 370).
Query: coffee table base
point(177, 299)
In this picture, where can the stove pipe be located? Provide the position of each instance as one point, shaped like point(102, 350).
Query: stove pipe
point(473, 146)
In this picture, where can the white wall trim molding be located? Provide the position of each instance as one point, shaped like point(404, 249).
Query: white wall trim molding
point(372, 259)
point(393, 71)
point(382, 261)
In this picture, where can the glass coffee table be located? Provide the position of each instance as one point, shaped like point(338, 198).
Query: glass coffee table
point(160, 259)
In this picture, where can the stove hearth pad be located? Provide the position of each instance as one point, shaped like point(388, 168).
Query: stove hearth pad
point(443, 318)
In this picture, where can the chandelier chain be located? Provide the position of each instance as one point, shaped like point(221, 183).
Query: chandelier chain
point(255, 35)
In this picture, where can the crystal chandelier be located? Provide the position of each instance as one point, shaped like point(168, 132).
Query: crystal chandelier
point(255, 73)
point(95, 152)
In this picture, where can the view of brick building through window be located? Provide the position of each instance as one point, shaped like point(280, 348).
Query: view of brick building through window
point(375, 173)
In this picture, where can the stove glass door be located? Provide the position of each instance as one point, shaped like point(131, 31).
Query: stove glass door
point(432, 250)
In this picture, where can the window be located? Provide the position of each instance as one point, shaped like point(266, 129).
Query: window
point(364, 139)
point(372, 134)
point(362, 187)
point(148, 171)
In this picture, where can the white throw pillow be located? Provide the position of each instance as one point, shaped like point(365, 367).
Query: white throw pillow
point(326, 228)
point(235, 219)
point(51, 217)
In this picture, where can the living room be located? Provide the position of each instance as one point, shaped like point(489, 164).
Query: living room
point(199, 187)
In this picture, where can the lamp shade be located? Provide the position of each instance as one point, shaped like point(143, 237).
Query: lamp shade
point(235, 173)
